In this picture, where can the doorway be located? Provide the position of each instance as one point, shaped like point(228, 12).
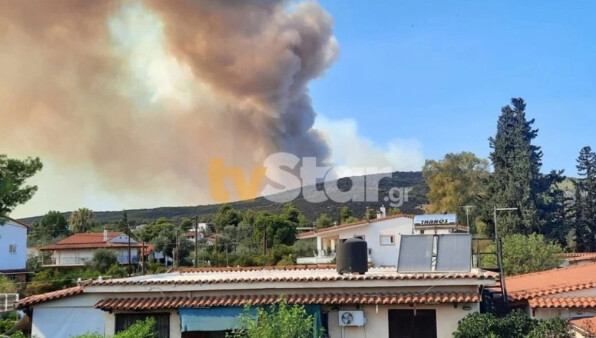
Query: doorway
point(412, 324)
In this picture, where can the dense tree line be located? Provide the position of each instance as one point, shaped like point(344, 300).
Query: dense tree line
point(542, 205)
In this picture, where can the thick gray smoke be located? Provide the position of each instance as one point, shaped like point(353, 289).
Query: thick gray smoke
point(145, 94)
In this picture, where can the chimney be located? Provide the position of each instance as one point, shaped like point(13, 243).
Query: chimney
point(105, 235)
point(383, 211)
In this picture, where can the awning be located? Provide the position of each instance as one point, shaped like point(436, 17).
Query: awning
point(210, 319)
point(226, 318)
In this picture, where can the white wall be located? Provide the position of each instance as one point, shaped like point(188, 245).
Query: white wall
point(79, 256)
point(382, 255)
point(122, 239)
point(67, 317)
point(13, 233)
point(377, 319)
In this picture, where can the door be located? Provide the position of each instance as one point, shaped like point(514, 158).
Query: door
point(412, 324)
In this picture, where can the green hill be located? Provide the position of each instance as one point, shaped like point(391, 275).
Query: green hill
point(414, 180)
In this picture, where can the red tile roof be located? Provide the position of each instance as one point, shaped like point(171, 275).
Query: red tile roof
point(26, 302)
point(563, 302)
point(587, 325)
point(88, 240)
point(349, 225)
point(161, 303)
point(550, 282)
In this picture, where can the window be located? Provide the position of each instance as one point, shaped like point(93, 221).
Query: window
point(12, 248)
point(387, 240)
point(162, 322)
point(412, 323)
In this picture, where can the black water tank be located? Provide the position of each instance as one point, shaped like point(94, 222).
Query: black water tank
point(352, 256)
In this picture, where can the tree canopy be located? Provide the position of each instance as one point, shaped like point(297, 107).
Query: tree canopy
point(525, 254)
point(454, 181)
point(516, 180)
point(80, 220)
point(584, 208)
point(13, 175)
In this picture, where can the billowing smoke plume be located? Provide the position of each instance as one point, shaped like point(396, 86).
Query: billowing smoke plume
point(146, 93)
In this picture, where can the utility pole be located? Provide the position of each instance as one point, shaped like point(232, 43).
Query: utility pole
point(264, 239)
point(196, 240)
point(127, 232)
point(495, 217)
point(176, 256)
point(467, 209)
point(143, 257)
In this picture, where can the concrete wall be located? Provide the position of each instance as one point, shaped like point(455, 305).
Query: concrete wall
point(12, 233)
point(377, 319)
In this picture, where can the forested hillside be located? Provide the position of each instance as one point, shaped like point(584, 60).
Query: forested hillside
point(416, 197)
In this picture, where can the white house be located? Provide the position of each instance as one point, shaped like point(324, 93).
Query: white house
point(381, 234)
point(206, 302)
point(13, 248)
point(79, 248)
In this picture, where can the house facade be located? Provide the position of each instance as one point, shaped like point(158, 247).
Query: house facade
point(79, 248)
point(13, 249)
point(381, 234)
point(206, 302)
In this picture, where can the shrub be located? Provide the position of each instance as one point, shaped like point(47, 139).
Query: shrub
point(515, 324)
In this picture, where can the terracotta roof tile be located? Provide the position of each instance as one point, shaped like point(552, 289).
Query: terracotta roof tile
point(25, 302)
point(161, 303)
point(587, 325)
point(88, 240)
point(550, 282)
point(349, 225)
point(563, 302)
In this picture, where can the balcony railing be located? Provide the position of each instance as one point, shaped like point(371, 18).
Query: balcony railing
point(319, 257)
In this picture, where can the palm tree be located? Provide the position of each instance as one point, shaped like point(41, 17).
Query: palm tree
point(80, 220)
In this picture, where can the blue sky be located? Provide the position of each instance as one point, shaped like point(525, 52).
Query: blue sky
point(439, 72)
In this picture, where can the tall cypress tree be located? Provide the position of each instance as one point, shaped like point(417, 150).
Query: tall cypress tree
point(516, 180)
point(584, 209)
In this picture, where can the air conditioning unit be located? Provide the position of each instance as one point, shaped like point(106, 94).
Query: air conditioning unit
point(351, 318)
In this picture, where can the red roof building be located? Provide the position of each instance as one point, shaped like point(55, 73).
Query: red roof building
point(79, 248)
point(566, 292)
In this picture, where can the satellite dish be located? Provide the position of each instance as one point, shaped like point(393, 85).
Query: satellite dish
point(347, 318)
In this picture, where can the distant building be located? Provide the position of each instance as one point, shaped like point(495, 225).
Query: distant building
point(382, 235)
point(13, 249)
point(578, 258)
point(79, 248)
point(566, 292)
